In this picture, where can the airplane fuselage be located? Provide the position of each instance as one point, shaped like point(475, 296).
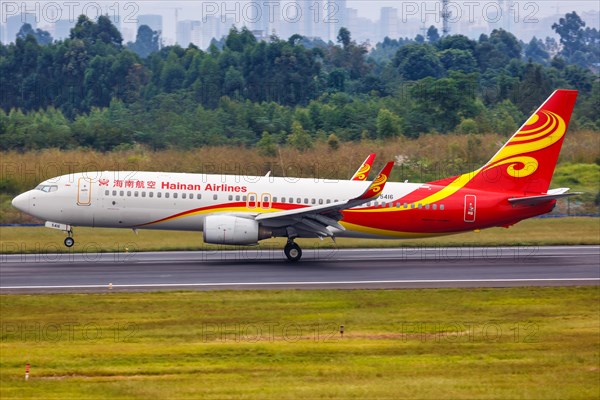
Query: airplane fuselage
point(173, 201)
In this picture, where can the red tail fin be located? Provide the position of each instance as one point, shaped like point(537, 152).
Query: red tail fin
point(526, 162)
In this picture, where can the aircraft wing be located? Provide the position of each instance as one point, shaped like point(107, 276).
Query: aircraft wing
point(554, 194)
point(317, 219)
point(362, 172)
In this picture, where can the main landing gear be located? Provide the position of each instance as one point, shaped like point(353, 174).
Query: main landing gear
point(69, 241)
point(292, 251)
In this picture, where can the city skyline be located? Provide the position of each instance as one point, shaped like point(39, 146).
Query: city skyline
point(312, 18)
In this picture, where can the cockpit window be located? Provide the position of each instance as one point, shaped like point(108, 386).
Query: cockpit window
point(47, 188)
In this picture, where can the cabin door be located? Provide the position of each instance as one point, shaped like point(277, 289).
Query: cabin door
point(470, 208)
point(84, 192)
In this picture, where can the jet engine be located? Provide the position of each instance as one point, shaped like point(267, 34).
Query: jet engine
point(227, 229)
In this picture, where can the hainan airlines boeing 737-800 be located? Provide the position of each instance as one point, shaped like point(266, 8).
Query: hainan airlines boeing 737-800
point(242, 210)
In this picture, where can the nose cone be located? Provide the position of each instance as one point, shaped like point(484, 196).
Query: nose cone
point(21, 202)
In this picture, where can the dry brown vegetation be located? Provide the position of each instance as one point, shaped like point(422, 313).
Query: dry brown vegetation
point(461, 152)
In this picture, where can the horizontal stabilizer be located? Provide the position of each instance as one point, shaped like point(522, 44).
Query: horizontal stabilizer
point(534, 200)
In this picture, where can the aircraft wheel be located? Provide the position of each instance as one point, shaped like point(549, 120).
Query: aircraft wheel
point(69, 241)
point(293, 252)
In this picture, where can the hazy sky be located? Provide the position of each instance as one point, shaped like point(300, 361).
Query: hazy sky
point(195, 9)
point(371, 8)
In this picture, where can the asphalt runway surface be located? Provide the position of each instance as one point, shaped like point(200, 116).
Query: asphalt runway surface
point(423, 267)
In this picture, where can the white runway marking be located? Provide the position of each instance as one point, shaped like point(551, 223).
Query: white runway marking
point(159, 285)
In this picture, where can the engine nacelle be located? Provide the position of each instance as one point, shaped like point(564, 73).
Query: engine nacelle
point(227, 229)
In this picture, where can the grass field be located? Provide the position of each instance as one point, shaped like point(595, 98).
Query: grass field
point(541, 343)
point(532, 232)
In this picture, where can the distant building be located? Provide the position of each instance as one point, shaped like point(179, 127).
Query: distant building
point(263, 15)
point(389, 23)
point(209, 29)
point(189, 32)
point(362, 29)
point(154, 22)
point(311, 18)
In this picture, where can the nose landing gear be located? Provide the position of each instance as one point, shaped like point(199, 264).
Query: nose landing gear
point(69, 241)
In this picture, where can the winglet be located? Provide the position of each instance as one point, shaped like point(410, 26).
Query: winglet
point(363, 171)
point(378, 184)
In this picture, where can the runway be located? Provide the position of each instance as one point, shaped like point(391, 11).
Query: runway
point(423, 267)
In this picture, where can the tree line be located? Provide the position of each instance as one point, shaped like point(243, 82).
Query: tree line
point(91, 90)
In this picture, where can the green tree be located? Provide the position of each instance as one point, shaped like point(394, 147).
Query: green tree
point(333, 142)
point(299, 138)
point(570, 30)
point(415, 62)
point(146, 42)
point(535, 50)
point(432, 34)
point(344, 37)
point(42, 37)
point(497, 50)
point(266, 145)
point(388, 124)
point(458, 60)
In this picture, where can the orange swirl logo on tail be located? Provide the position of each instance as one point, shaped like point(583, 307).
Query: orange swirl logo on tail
point(542, 130)
point(362, 173)
point(378, 183)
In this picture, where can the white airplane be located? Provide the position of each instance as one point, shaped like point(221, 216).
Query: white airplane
point(242, 210)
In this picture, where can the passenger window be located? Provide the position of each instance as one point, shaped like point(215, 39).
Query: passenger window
point(183, 196)
point(167, 195)
point(215, 197)
point(313, 201)
point(135, 194)
point(252, 200)
point(114, 192)
point(274, 199)
point(198, 196)
point(230, 197)
point(405, 205)
point(435, 206)
point(121, 193)
point(106, 192)
point(266, 201)
point(420, 206)
point(328, 201)
point(237, 198)
point(129, 193)
point(412, 205)
point(305, 200)
point(299, 200)
point(143, 194)
point(159, 194)
point(150, 194)
point(174, 195)
point(427, 206)
point(442, 207)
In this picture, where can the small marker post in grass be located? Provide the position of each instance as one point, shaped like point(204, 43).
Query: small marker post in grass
point(27, 366)
point(342, 331)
